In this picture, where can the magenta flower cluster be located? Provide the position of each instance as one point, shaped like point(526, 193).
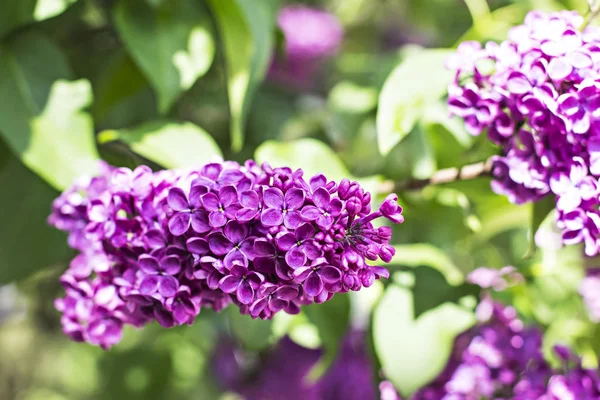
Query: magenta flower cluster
point(500, 358)
point(160, 246)
point(537, 95)
point(311, 36)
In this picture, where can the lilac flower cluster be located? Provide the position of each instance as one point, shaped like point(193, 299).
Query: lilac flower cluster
point(311, 36)
point(283, 372)
point(537, 95)
point(160, 246)
point(500, 358)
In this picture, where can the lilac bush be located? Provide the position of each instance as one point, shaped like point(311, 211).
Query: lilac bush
point(537, 96)
point(311, 36)
point(162, 245)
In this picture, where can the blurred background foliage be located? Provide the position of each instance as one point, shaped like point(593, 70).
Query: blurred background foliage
point(176, 83)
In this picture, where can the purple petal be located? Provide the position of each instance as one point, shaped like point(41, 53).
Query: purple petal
point(518, 83)
point(294, 199)
point(271, 217)
point(317, 181)
point(167, 286)
point(228, 196)
point(286, 293)
point(266, 265)
point(302, 273)
point(286, 241)
point(295, 258)
point(217, 219)
point(258, 306)
point(559, 69)
point(219, 244)
point(262, 247)
point(292, 219)
point(231, 176)
point(200, 222)
point(335, 207)
point(313, 286)
point(321, 198)
point(325, 221)
point(180, 223)
point(154, 238)
point(255, 279)
point(276, 305)
point(235, 257)
point(164, 318)
point(311, 250)
point(310, 213)
point(245, 293)
point(211, 202)
point(230, 283)
point(212, 171)
point(196, 193)
point(177, 200)
point(246, 214)
point(235, 232)
point(305, 231)
point(330, 274)
point(171, 265)
point(273, 198)
point(180, 314)
point(197, 246)
point(149, 285)
point(148, 264)
point(249, 199)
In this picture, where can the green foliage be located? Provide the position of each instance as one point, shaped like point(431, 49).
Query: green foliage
point(169, 144)
point(413, 351)
point(182, 47)
point(41, 117)
point(415, 84)
point(332, 319)
point(246, 29)
point(27, 244)
point(14, 14)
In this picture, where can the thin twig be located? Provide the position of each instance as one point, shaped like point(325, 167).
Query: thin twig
point(448, 175)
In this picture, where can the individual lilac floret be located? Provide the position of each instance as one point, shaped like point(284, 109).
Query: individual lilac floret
point(537, 96)
point(311, 36)
point(160, 246)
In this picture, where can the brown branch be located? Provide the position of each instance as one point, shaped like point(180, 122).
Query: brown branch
point(448, 175)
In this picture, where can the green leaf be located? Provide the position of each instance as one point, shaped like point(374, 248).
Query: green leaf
point(432, 290)
point(540, 210)
point(247, 29)
point(418, 81)
point(27, 243)
point(254, 334)
point(413, 351)
point(16, 13)
point(414, 255)
point(331, 319)
point(169, 144)
point(172, 43)
point(41, 117)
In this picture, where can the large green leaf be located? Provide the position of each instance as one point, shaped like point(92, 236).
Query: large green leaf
point(413, 351)
point(415, 255)
point(16, 13)
point(331, 319)
point(27, 243)
point(169, 144)
point(41, 116)
point(419, 80)
point(247, 29)
point(172, 43)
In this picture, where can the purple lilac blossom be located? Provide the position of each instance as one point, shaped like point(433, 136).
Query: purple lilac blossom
point(284, 372)
point(537, 96)
point(160, 246)
point(311, 36)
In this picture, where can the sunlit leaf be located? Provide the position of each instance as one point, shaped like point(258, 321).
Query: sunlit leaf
point(172, 43)
point(414, 255)
point(412, 352)
point(41, 116)
point(247, 30)
point(419, 80)
point(27, 243)
point(169, 144)
point(539, 212)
